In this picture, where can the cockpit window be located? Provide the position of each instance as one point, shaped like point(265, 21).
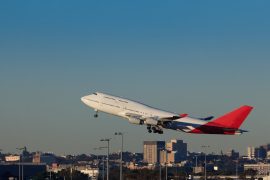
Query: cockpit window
point(95, 93)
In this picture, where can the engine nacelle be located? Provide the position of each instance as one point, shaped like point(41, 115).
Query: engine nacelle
point(151, 121)
point(135, 121)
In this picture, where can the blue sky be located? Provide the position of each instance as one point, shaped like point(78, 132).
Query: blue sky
point(197, 57)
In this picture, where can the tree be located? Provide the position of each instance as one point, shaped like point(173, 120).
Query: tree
point(66, 174)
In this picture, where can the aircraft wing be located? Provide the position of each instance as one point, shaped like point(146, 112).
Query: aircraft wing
point(158, 119)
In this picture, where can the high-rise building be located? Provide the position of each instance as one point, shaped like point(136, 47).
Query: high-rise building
point(233, 154)
point(177, 151)
point(251, 152)
point(151, 151)
point(260, 152)
point(266, 147)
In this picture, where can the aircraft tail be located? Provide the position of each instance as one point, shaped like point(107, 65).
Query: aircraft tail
point(235, 118)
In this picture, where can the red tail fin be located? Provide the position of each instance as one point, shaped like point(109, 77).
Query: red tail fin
point(235, 118)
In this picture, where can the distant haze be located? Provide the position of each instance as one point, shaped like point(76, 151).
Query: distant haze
point(197, 57)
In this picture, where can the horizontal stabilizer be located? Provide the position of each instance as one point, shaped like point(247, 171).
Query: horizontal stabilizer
point(207, 118)
point(170, 118)
point(183, 115)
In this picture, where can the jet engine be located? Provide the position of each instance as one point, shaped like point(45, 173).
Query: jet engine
point(135, 121)
point(151, 121)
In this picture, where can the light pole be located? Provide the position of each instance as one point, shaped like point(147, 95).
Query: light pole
point(71, 171)
point(166, 169)
point(50, 174)
point(166, 165)
point(102, 160)
point(97, 155)
point(21, 163)
point(121, 158)
point(103, 173)
point(20, 168)
point(159, 171)
point(176, 172)
point(0, 152)
point(159, 150)
point(205, 161)
point(108, 141)
point(236, 169)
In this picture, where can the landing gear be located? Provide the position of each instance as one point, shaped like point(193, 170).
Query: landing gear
point(96, 114)
point(149, 129)
point(154, 129)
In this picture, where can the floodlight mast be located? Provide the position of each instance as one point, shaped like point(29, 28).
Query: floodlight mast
point(108, 152)
point(121, 155)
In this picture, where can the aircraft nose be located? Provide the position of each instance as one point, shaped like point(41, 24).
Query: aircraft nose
point(84, 99)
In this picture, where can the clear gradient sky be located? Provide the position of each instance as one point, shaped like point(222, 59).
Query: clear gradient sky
point(197, 57)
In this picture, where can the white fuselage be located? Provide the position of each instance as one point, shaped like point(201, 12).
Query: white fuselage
point(121, 107)
point(157, 120)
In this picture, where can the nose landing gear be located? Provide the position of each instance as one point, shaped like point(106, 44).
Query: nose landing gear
point(96, 114)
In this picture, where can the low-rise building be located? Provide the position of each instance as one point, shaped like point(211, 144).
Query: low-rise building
point(261, 168)
point(14, 170)
point(90, 172)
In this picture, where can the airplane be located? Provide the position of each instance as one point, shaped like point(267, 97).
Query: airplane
point(156, 120)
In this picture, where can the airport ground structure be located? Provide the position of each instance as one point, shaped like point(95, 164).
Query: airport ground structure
point(186, 165)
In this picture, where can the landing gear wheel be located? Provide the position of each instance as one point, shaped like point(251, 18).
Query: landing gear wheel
point(154, 130)
point(96, 113)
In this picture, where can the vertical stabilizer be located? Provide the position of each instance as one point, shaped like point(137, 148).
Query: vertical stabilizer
point(235, 118)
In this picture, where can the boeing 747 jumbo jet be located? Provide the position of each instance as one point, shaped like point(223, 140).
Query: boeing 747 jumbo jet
point(156, 120)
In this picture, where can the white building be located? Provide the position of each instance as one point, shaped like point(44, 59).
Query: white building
point(90, 172)
point(268, 154)
point(250, 152)
point(261, 168)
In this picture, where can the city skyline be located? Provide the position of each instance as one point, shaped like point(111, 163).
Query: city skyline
point(200, 58)
point(158, 156)
point(153, 152)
